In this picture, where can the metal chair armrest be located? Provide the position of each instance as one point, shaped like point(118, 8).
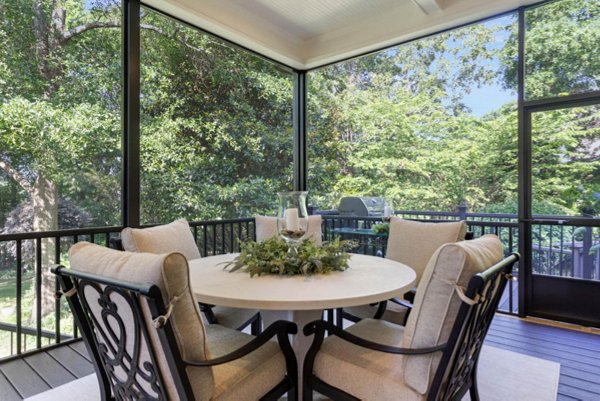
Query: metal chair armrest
point(318, 327)
point(280, 328)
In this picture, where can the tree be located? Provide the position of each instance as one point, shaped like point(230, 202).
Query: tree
point(43, 116)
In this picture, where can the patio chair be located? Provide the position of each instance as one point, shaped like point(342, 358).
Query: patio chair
point(266, 227)
point(177, 237)
point(411, 243)
point(143, 329)
point(435, 356)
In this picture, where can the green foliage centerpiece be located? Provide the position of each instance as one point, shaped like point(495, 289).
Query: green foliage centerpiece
point(272, 257)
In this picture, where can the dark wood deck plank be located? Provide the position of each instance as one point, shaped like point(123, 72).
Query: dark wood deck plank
point(593, 368)
point(576, 351)
point(49, 369)
point(587, 340)
point(558, 332)
point(72, 361)
point(24, 379)
point(561, 353)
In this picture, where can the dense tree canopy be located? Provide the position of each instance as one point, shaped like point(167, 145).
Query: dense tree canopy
point(216, 120)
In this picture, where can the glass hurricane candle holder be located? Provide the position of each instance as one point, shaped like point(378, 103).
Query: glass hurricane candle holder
point(388, 210)
point(292, 218)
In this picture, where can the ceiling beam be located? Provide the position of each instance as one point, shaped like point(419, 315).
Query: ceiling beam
point(429, 6)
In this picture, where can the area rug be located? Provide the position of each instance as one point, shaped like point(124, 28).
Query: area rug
point(502, 376)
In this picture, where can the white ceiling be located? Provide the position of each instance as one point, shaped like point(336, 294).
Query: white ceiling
point(308, 33)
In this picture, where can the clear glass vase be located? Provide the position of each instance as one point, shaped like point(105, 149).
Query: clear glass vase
point(292, 218)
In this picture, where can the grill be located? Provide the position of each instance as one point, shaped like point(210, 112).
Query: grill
point(362, 206)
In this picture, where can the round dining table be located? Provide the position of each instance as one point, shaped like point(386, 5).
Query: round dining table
point(300, 299)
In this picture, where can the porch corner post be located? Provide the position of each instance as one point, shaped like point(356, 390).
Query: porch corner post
point(524, 212)
point(130, 147)
point(299, 118)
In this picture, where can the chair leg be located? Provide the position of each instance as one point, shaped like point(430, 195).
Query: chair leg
point(339, 318)
point(256, 326)
point(473, 391)
point(292, 394)
point(307, 392)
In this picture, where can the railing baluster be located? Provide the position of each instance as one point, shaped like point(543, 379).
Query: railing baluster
point(240, 239)
point(19, 293)
point(204, 240)
point(75, 240)
point(230, 237)
point(38, 292)
point(222, 238)
point(57, 300)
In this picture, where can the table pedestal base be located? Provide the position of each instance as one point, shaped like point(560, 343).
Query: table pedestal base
point(300, 342)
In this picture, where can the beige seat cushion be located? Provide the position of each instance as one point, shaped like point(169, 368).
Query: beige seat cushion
point(233, 317)
point(170, 273)
point(413, 242)
point(266, 227)
point(172, 237)
point(366, 374)
point(393, 313)
point(247, 378)
point(437, 303)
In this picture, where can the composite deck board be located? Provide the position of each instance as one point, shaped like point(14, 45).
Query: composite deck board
point(7, 391)
point(79, 347)
point(577, 352)
point(49, 369)
point(508, 331)
point(72, 361)
point(23, 378)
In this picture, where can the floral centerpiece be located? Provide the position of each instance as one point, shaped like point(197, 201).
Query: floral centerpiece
point(272, 257)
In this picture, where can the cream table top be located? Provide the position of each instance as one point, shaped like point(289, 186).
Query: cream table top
point(369, 279)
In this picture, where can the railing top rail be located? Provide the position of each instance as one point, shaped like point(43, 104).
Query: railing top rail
point(60, 233)
point(105, 230)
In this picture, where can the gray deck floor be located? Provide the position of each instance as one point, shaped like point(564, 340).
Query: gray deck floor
point(577, 352)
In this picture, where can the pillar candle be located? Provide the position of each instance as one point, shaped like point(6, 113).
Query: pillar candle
point(291, 219)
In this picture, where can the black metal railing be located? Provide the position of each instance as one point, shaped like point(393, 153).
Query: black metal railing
point(504, 226)
point(22, 254)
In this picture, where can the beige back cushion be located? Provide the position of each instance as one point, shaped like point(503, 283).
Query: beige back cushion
point(266, 227)
point(437, 304)
point(413, 242)
point(170, 273)
point(172, 237)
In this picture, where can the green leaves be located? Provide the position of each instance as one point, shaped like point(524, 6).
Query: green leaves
point(272, 257)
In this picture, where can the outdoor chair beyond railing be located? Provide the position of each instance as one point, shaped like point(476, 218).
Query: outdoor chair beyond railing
point(435, 357)
point(147, 339)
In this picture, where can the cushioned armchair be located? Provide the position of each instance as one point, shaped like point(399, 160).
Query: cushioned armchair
point(177, 237)
point(435, 356)
point(143, 329)
point(411, 243)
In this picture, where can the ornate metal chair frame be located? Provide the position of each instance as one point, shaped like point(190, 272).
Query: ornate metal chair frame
point(105, 360)
point(457, 370)
point(255, 322)
point(407, 302)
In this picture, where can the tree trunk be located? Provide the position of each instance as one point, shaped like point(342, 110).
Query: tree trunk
point(45, 218)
